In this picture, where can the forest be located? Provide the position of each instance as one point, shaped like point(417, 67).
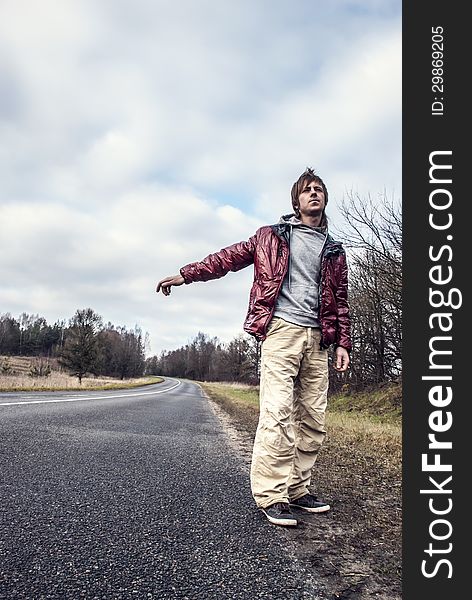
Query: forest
point(81, 346)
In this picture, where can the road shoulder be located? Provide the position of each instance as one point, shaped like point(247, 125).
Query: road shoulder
point(354, 551)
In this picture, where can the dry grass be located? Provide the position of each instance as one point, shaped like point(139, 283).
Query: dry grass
point(19, 379)
point(379, 442)
point(62, 381)
point(383, 402)
point(379, 432)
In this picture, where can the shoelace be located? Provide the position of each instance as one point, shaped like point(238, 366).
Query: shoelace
point(282, 506)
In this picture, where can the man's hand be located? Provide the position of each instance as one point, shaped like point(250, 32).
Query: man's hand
point(341, 362)
point(168, 282)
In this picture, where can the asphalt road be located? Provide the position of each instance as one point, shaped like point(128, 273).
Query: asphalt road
point(132, 494)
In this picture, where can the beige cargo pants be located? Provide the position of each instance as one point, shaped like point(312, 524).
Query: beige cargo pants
point(293, 398)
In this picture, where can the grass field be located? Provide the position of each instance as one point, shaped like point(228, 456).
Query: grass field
point(18, 378)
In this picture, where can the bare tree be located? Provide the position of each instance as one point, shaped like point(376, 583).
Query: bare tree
point(373, 236)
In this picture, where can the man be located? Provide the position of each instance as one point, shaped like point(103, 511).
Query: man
point(297, 307)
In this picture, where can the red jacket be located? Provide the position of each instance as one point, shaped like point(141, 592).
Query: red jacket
point(268, 249)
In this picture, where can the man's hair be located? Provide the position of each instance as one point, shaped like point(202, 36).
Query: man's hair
point(308, 176)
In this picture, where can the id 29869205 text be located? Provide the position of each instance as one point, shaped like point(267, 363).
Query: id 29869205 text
point(437, 70)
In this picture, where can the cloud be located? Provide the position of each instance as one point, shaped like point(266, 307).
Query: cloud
point(335, 123)
point(112, 260)
point(137, 137)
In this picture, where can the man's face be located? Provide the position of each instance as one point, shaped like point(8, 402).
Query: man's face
point(312, 199)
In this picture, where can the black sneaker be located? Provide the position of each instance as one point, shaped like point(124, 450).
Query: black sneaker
point(310, 503)
point(280, 514)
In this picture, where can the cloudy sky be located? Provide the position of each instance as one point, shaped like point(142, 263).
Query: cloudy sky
point(139, 135)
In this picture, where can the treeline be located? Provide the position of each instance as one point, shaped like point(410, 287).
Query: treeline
point(373, 238)
point(208, 359)
point(83, 345)
point(31, 335)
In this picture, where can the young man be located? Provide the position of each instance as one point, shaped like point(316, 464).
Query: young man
point(297, 308)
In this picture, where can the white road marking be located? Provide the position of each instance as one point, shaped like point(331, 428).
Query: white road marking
point(80, 398)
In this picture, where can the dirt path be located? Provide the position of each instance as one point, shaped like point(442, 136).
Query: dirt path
point(354, 551)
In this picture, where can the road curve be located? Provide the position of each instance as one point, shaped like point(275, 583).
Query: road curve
point(132, 494)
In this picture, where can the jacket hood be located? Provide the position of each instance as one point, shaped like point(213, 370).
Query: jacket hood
point(294, 221)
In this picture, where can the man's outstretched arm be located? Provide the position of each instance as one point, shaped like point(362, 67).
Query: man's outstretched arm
point(233, 258)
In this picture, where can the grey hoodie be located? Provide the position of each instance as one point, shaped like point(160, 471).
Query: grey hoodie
point(298, 298)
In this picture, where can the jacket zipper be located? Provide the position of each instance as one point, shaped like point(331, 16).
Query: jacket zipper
point(328, 251)
point(279, 253)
